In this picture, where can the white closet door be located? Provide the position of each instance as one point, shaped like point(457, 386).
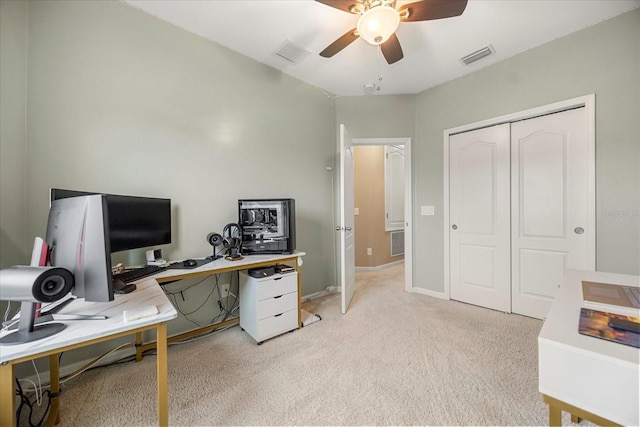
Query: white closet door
point(480, 217)
point(550, 206)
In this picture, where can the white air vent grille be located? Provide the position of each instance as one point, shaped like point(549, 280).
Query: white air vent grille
point(478, 54)
point(397, 243)
point(292, 52)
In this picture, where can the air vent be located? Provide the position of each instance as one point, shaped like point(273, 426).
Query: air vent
point(478, 54)
point(397, 243)
point(292, 52)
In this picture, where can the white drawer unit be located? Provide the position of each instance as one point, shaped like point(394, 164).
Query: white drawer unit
point(268, 305)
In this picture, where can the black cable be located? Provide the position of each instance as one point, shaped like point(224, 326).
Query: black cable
point(24, 401)
point(172, 295)
point(226, 311)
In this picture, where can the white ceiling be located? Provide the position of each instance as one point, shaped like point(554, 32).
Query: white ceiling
point(432, 49)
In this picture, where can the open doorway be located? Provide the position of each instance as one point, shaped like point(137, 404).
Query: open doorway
point(382, 205)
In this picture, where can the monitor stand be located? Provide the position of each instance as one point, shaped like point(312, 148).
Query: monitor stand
point(27, 330)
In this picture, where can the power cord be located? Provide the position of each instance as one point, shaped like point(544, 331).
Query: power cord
point(26, 402)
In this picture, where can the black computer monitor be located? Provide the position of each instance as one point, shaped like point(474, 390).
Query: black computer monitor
point(78, 239)
point(134, 222)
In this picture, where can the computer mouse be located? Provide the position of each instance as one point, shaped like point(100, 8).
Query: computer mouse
point(120, 287)
point(189, 262)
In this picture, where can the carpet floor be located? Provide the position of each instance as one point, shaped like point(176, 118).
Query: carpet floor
point(395, 358)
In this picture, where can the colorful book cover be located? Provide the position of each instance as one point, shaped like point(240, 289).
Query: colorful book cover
point(610, 327)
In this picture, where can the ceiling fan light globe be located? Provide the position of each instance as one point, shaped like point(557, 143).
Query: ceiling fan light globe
point(377, 24)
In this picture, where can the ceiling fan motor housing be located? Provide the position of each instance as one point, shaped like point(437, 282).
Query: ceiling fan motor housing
point(377, 24)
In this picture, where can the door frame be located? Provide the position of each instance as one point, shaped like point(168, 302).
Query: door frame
point(408, 201)
point(588, 102)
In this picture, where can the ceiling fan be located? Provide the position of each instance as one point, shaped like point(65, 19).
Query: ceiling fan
point(379, 20)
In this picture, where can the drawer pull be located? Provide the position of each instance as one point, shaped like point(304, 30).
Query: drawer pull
point(278, 315)
point(277, 278)
point(279, 296)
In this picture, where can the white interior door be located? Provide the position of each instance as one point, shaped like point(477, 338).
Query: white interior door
point(347, 223)
point(479, 212)
point(394, 187)
point(550, 207)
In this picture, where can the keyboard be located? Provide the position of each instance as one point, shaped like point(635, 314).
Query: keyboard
point(138, 273)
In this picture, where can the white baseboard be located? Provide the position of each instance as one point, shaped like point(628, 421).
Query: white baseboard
point(326, 291)
point(427, 292)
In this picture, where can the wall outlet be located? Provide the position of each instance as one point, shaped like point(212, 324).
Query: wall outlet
point(369, 251)
point(224, 290)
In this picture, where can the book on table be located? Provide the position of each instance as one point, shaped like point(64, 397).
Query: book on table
point(620, 299)
point(610, 326)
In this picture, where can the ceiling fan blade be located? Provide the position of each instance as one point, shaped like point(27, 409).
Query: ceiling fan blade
point(344, 41)
point(391, 49)
point(427, 10)
point(344, 5)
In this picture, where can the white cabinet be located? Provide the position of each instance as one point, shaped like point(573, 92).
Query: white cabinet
point(268, 305)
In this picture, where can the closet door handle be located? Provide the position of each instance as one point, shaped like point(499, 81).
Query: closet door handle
point(578, 230)
point(454, 227)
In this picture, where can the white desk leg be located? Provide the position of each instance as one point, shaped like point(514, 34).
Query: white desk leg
point(7, 409)
point(162, 367)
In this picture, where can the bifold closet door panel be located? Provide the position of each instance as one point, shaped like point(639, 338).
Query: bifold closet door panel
point(479, 210)
point(549, 198)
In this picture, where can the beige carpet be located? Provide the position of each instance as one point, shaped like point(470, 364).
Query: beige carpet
point(394, 359)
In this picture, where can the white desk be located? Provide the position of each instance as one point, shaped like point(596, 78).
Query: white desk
point(86, 332)
point(223, 265)
point(590, 378)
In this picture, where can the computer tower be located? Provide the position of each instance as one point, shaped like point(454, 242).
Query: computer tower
point(268, 225)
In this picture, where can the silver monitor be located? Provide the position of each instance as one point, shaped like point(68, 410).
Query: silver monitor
point(78, 237)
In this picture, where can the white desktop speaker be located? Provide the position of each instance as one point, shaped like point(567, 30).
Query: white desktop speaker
point(36, 284)
point(154, 257)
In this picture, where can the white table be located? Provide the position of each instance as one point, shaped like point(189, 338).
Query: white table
point(590, 378)
point(86, 332)
point(223, 265)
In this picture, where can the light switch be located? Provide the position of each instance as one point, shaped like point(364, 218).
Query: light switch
point(356, 211)
point(427, 210)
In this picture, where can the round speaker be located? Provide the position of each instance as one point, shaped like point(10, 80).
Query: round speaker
point(214, 239)
point(28, 283)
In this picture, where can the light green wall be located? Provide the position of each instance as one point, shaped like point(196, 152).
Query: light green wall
point(390, 116)
point(99, 96)
point(121, 102)
point(13, 133)
point(603, 59)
